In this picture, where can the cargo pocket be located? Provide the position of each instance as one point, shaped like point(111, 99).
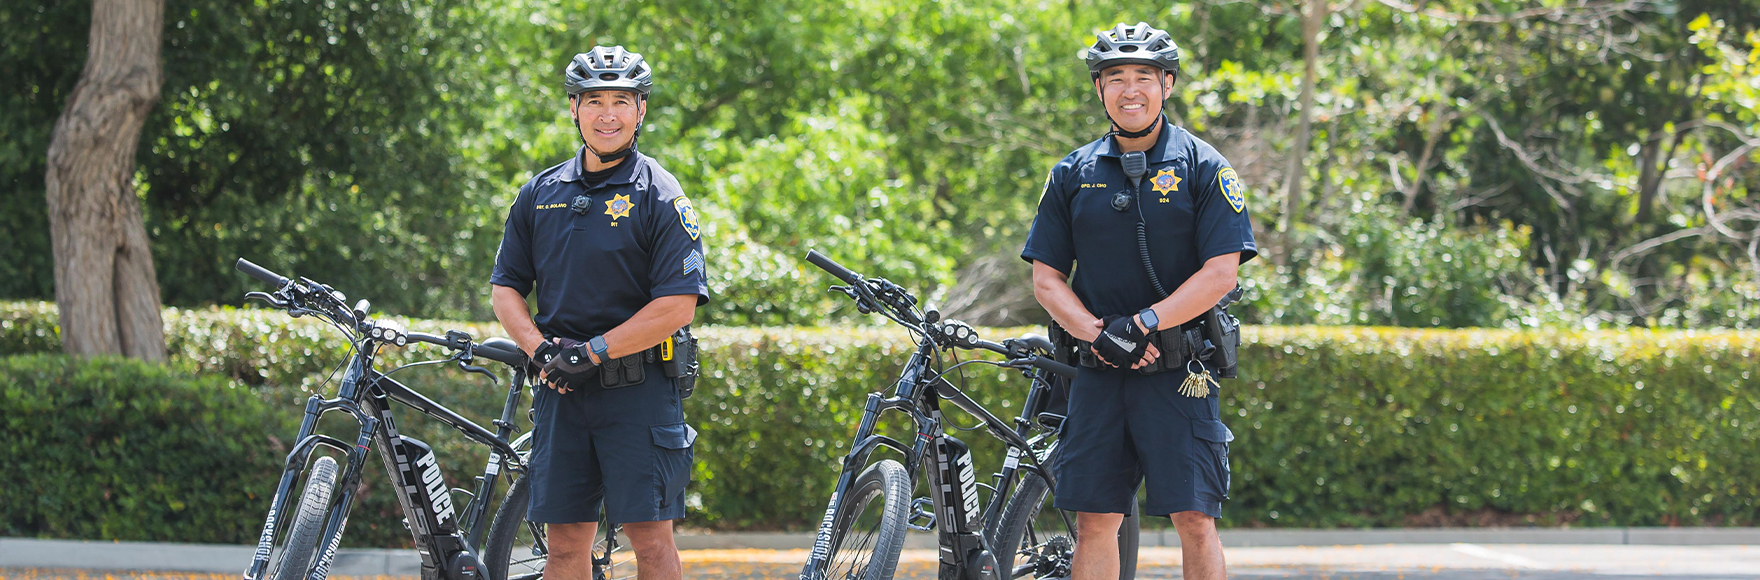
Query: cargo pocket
point(1214, 437)
point(673, 454)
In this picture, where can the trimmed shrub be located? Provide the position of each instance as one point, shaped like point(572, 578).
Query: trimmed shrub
point(1335, 426)
point(117, 449)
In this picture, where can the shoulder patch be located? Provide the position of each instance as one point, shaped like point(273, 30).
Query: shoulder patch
point(687, 216)
point(1231, 187)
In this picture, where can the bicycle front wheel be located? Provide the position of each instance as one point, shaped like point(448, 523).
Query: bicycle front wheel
point(1036, 540)
point(295, 556)
point(868, 525)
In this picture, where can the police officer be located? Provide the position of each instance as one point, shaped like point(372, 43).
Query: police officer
point(1185, 216)
point(610, 245)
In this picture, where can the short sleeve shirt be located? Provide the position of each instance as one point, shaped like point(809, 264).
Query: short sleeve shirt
point(593, 262)
point(1193, 208)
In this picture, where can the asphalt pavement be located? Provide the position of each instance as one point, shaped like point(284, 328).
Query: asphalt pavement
point(1458, 561)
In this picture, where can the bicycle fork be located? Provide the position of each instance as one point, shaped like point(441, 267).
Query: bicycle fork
point(308, 441)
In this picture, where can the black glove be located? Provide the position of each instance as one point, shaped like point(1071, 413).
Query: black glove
point(1122, 343)
point(546, 350)
point(568, 365)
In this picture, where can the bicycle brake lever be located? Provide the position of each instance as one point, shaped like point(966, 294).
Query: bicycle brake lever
point(470, 368)
point(267, 298)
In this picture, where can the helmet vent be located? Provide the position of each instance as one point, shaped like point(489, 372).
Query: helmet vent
point(1128, 48)
point(607, 76)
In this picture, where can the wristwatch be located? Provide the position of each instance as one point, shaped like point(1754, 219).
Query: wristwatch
point(600, 350)
point(1150, 321)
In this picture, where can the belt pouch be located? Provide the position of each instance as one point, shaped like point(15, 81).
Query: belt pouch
point(622, 372)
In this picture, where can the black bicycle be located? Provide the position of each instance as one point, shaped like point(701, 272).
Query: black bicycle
point(871, 507)
point(454, 542)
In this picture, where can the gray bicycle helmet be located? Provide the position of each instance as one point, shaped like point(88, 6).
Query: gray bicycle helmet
point(1140, 44)
point(608, 67)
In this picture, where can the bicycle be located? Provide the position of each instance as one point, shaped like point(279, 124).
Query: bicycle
point(453, 542)
point(854, 543)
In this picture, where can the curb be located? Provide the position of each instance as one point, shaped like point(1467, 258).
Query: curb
point(157, 556)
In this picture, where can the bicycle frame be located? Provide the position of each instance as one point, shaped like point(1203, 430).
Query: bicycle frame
point(447, 541)
point(918, 393)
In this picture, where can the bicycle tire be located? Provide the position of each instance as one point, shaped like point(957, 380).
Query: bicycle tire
point(308, 523)
point(505, 530)
point(888, 482)
point(1024, 507)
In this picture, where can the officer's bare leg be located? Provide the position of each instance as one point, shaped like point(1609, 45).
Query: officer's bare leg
point(1096, 546)
point(571, 551)
point(1200, 546)
point(656, 555)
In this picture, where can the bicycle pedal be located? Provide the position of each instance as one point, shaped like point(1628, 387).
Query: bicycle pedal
point(918, 513)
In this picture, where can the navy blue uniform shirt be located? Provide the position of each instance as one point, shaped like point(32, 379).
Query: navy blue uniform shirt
point(637, 240)
point(1194, 208)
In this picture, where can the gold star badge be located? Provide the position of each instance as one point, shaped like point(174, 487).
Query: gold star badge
point(1166, 182)
point(618, 207)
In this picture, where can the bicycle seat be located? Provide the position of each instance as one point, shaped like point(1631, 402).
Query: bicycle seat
point(1051, 421)
point(503, 351)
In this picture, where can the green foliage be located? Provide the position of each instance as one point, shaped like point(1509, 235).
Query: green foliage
point(1367, 427)
point(118, 449)
point(376, 146)
point(1334, 426)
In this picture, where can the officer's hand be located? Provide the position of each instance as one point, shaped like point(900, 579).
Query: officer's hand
point(1149, 356)
point(1122, 341)
point(570, 367)
point(546, 351)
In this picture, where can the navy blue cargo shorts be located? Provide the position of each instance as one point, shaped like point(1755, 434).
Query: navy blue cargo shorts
point(1125, 428)
point(628, 448)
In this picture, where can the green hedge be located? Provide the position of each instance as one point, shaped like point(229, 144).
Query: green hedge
point(1335, 426)
point(118, 449)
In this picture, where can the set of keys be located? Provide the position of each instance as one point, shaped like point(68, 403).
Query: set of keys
point(1197, 385)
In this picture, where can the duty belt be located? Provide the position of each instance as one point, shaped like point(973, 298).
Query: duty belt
point(1176, 346)
point(677, 356)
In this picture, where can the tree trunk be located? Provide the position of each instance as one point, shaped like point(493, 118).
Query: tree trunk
point(1313, 13)
point(105, 287)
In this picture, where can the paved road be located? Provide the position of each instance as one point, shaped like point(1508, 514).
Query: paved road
point(1384, 562)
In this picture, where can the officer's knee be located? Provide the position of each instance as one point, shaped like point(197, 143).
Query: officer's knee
point(1096, 525)
point(1193, 524)
point(570, 542)
point(651, 540)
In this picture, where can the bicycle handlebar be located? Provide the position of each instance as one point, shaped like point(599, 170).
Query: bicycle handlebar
point(1036, 361)
point(260, 273)
point(438, 340)
point(829, 265)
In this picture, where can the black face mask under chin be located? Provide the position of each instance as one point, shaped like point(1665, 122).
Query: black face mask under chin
point(1119, 131)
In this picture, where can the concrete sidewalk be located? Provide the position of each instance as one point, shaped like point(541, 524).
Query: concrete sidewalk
point(1737, 549)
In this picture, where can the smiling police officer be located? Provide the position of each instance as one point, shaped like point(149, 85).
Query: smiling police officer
point(1147, 207)
point(610, 245)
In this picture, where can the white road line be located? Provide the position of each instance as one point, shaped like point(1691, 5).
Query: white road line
point(1511, 559)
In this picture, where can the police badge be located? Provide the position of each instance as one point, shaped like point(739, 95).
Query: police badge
point(1166, 181)
point(618, 207)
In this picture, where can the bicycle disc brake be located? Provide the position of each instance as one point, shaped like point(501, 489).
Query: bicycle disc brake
point(918, 513)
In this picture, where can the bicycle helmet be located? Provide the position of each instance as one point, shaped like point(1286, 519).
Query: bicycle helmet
point(608, 67)
point(1140, 44)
